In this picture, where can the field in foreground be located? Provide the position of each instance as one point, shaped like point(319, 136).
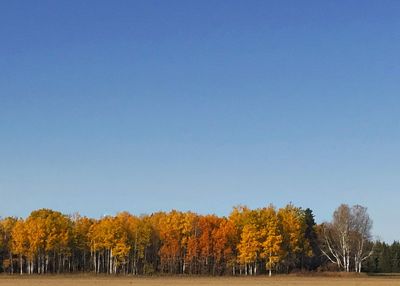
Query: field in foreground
point(196, 281)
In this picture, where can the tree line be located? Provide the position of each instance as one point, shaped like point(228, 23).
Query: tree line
point(247, 242)
point(385, 258)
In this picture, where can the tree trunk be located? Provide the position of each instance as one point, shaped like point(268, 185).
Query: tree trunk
point(110, 259)
point(11, 262)
point(20, 264)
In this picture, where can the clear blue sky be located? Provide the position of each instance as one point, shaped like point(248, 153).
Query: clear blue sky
point(200, 105)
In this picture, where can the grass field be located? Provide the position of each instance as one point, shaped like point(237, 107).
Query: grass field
point(196, 281)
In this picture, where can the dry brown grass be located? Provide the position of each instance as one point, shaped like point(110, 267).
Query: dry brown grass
point(196, 281)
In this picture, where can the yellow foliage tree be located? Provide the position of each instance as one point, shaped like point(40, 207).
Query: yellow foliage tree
point(6, 227)
point(20, 244)
point(293, 228)
point(249, 248)
point(81, 240)
point(271, 238)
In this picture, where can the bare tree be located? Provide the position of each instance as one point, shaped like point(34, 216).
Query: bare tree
point(361, 226)
point(345, 239)
point(336, 238)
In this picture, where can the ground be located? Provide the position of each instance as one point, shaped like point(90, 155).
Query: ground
point(195, 281)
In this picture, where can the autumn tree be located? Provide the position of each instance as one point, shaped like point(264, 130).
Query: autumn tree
point(109, 241)
point(271, 238)
point(294, 244)
point(81, 242)
point(6, 227)
point(20, 243)
point(208, 226)
point(170, 236)
point(249, 248)
point(193, 249)
point(239, 217)
point(225, 242)
point(49, 236)
point(175, 229)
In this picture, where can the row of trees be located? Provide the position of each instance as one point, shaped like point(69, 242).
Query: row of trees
point(385, 258)
point(248, 242)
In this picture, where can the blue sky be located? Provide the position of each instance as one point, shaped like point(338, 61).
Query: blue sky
point(200, 105)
